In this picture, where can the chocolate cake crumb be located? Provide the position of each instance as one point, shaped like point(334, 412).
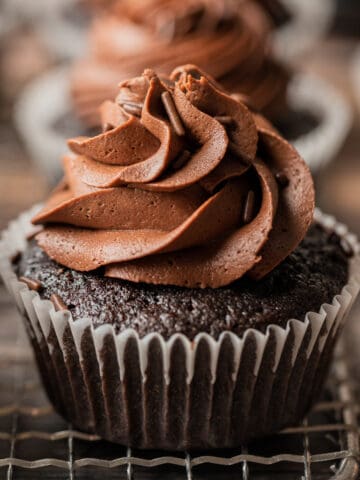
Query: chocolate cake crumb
point(315, 272)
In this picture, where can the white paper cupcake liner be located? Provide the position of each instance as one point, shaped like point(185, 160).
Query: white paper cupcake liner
point(315, 95)
point(65, 36)
point(310, 20)
point(177, 394)
point(47, 100)
point(41, 105)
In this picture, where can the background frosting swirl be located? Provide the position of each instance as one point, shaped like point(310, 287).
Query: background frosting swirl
point(226, 38)
point(185, 186)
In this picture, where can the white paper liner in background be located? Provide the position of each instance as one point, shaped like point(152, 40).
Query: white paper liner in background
point(155, 393)
point(310, 21)
point(314, 94)
point(47, 100)
point(51, 18)
point(43, 102)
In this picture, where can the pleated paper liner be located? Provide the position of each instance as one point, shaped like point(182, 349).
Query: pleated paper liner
point(309, 22)
point(320, 145)
point(180, 394)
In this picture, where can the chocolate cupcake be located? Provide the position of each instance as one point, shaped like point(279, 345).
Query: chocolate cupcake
point(160, 294)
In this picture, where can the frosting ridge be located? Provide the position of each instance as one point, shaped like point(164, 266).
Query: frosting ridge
point(185, 190)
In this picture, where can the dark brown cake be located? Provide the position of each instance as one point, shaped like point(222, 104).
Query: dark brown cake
point(310, 276)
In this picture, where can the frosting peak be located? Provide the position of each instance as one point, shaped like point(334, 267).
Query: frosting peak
point(185, 186)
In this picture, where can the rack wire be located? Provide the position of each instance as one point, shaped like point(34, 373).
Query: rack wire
point(35, 443)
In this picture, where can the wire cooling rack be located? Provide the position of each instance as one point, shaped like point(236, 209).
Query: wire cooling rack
point(35, 443)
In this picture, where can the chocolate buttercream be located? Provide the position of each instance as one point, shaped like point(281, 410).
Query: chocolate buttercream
point(226, 38)
point(196, 206)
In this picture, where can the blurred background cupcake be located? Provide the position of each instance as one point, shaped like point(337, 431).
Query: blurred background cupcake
point(234, 40)
point(227, 40)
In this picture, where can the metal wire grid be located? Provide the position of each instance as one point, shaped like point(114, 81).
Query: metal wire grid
point(71, 461)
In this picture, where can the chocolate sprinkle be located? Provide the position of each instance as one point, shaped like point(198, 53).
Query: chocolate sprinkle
point(181, 159)
point(58, 303)
point(282, 179)
point(173, 113)
point(32, 284)
point(133, 108)
point(249, 207)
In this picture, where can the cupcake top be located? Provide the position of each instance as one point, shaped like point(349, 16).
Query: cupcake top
point(185, 186)
point(226, 38)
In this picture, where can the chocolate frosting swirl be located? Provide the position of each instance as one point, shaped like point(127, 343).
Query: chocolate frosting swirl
point(192, 190)
point(226, 38)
